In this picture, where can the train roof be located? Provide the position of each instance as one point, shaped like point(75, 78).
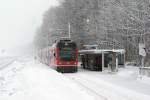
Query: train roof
point(64, 39)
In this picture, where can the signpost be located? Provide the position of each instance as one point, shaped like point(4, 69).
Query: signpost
point(142, 52)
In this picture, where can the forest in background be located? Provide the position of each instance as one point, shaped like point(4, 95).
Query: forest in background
point(112, 24)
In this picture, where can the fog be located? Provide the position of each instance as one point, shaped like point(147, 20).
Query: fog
point(19, 20)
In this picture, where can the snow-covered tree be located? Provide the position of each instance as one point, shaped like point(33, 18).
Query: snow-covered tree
point(109, 23)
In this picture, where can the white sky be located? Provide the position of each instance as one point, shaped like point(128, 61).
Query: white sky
point(19, 20)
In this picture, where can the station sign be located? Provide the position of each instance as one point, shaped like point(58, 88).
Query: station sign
point(142, 49)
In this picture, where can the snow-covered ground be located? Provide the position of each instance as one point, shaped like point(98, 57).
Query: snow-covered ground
point(26, 79)
point(124, 85)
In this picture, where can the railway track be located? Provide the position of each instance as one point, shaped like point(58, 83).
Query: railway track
point(5, 63)
point(80, 81)
point(99, 90)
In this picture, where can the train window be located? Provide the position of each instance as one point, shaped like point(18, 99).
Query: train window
point(67, 53)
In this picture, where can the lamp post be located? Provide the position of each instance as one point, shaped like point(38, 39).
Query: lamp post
point(69, 30)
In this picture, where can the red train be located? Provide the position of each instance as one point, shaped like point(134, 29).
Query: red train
point(62, 56)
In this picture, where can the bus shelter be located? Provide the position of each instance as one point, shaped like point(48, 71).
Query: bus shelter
point(97, 59)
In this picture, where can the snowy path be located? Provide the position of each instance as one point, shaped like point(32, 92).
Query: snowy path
point(111, 86)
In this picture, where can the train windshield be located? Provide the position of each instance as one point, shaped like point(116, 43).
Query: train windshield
point(67, 53)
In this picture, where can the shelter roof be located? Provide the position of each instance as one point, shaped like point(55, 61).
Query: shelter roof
point(100, 51)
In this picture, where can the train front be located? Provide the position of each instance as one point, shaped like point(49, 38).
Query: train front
point(67, 56)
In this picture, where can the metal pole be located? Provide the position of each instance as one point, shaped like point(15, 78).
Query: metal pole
point(69, 30)
point(142, 65)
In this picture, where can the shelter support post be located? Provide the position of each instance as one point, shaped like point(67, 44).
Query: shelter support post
point(103, 57)
point(116, 63)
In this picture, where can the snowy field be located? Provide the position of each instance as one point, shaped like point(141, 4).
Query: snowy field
point(26, 79)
